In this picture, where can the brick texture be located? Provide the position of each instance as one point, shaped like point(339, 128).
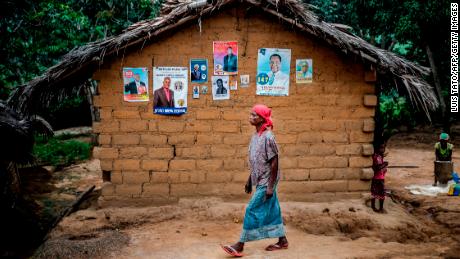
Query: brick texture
point(369, 125)
point(104, 152)
point(370, 100)
point(324, 129)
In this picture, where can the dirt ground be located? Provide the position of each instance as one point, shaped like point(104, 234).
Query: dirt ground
point(414, 227)
point(55, 190)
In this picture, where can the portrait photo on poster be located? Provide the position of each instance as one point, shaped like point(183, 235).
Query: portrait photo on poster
point(273, 68)
point(135, 84)
point(199, 70)
point(233, 83)
point(170, 87)
point(225, 55)
point(196, 92)
point(303, 71)
point(244, 80)
point(204, 89)
point(220, 88)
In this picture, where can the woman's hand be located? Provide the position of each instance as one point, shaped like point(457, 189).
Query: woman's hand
point(269, 193)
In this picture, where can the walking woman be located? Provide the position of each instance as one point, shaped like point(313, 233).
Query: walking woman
point(263, 214)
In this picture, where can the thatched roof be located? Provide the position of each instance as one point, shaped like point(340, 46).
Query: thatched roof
point(78, 65)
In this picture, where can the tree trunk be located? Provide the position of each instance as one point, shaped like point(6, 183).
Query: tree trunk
point(382, 41)
point(437, 84)
point(393, 42)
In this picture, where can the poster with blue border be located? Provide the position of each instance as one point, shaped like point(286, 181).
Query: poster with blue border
point(273, 68)
point(170, 88)
point(199, 70)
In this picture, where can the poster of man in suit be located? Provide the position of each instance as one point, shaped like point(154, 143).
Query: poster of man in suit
point(199, 70)
point(225, 57)
point(170, 85)
point(135, 84)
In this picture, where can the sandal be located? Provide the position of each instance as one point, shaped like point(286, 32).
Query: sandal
point(231, 251)
point(277, 247)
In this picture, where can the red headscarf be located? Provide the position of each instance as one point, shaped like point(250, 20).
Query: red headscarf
point(266, 113)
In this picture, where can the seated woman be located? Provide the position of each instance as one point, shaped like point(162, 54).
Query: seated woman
point(443, 152)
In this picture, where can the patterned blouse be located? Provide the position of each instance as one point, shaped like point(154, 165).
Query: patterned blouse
point(444, 154)
point(261, 150)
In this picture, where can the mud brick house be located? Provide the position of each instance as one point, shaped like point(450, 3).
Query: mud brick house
point(325, 129)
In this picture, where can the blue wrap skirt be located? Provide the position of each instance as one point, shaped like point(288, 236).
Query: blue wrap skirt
point(263, 217)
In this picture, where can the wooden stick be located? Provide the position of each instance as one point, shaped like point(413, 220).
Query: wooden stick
point(403, 166)
point(83, 196)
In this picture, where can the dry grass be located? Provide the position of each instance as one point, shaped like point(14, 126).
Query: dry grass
point(89, 245)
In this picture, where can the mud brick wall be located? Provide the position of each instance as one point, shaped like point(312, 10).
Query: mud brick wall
point(324, 129)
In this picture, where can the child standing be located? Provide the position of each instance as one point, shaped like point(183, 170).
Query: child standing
point(378, 181)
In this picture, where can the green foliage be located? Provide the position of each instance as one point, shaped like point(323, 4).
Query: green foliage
point(71, 103)
point(402, 48)
point(60, 151)
point(395, 111)
point(389, 22)
point(37, 33)
point(405, 27)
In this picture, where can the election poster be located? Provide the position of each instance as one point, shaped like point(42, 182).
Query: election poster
point(196, 92)
point(233, 83)
point(170, 86)
point(303, 71)
point(220, 88)
point(135, 84)
point(204, 89)
point(273, 68)
point(199, 70)
point(244, 80)
point(225, 57)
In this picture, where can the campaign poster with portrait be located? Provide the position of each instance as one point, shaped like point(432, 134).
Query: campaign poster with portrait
point(233, 83)
point(220, 88)
point(204, 89)
point(135, 84)
point(170, 86)
point(273, 68)
point(244, 80)
point(225, 57)
point(303, 71)
point(199, 70)
point(196, 92)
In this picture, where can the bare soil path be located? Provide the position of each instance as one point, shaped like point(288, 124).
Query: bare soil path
point(414, 227)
